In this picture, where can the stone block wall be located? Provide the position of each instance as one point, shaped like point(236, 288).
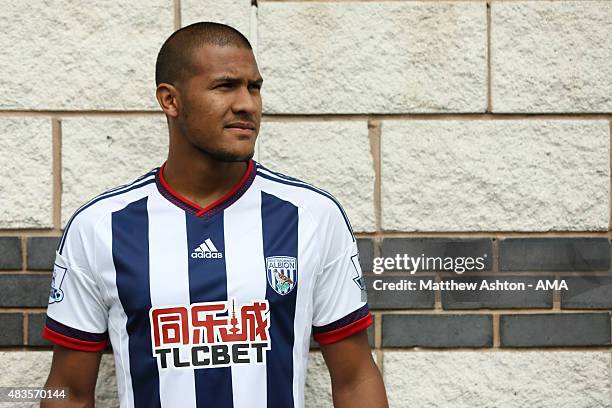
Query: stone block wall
point(459, 128)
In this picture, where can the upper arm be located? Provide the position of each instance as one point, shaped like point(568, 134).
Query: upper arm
point(356, 380)
point(348, 358)
point(77, 371)
point(77, 315)
point(339, 300)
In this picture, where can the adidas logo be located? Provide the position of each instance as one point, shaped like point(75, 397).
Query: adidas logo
point(206, 250)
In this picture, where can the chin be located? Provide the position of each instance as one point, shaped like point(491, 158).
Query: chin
point(226, 155)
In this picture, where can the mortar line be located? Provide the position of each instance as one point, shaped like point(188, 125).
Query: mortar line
point(362, 1)
point(18, 348)
point(22, 310)
point(496, 333)
point(484, 234)
point(488, 57)
point(380, 361)
point(417, 349)
point(374, 135)
point(48, 232)
point(556, 295)
point(77, 113)
point(253, 28)
point(25, 273)
point(57, 172)
point(485, 311)
point(377, 330)
point(438, 295)
point(26, 319)
point(378, 342)
point(334, 116)
point(503, 349)
point(322, 117)
point(177, 14)
point(28, 232)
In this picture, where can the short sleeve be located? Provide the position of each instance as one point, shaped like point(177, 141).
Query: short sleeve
point(340, 303)
point(77, 316)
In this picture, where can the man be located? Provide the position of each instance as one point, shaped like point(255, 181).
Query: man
point(208, 273)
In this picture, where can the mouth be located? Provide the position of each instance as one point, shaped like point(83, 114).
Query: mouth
point(243, 128)
point(241, 131)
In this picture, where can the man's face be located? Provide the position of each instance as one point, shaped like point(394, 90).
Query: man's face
point(220, 100)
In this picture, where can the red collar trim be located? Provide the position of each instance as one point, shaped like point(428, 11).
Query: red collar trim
point(222, 203)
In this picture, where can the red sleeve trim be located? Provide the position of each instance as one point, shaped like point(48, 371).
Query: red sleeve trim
point(344, 332)
point(69, 342)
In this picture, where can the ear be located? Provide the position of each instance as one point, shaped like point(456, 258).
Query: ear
point(168, 98)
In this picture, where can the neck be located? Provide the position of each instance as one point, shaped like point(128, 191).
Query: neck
point(201, 179)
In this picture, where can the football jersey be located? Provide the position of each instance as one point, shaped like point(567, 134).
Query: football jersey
point(208, 307)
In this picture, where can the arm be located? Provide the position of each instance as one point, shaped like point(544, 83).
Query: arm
point(356, 380)
point(77, 371)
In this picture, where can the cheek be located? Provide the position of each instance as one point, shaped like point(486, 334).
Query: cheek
point(211, 115)
point(205, 124)
point(199, 117)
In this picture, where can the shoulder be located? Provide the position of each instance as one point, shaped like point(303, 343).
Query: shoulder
point(84, 219)
point(319, 203)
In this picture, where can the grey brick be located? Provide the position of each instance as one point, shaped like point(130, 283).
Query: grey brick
point(554, 254)
point(12, 329)
point(25, 290)
point(439, 247)
point(10, 253)
point(36, 322)
point(398, 299)
point(496, 299)
point(437, 331)
point(315, 345)
point(41, 252)
point(587, 292)
point(555, 330)
point(366, 253)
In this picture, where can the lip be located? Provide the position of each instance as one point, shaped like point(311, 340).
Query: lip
point(242, 125)
point(241, 131)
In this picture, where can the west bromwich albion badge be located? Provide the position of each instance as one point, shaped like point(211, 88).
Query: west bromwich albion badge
point(282, 273)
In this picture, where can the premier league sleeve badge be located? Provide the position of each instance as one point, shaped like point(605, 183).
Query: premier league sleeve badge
point(56, 294)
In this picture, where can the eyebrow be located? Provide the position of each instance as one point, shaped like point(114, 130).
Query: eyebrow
point(235, 80)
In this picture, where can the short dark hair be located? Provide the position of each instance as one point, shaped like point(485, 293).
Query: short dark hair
point(174, 61)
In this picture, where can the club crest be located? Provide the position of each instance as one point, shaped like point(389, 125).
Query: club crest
point(282, 273)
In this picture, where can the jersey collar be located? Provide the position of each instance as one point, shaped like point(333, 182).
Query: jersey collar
point(206, 212)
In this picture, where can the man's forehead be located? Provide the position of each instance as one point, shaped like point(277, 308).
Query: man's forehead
point(212, 62)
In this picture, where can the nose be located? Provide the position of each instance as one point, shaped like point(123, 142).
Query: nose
point(246, 101)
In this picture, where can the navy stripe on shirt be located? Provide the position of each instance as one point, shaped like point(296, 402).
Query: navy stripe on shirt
point(130, 242)
point(280, 238)
point(208, 283)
